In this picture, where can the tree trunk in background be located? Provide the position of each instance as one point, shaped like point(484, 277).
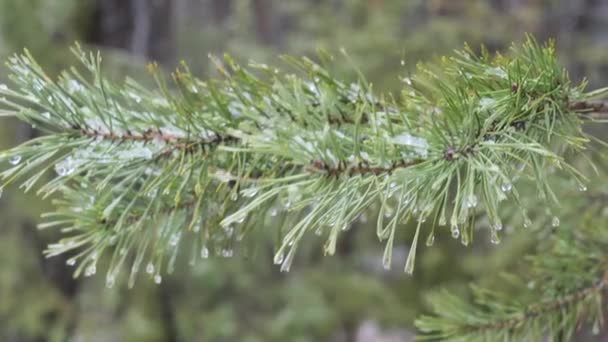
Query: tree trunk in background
point(263, 17)
point(143, 27)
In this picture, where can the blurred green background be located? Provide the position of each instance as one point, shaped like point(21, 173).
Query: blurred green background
point(349, 297)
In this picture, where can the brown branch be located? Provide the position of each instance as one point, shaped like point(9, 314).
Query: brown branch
point(536, 310)
point(597, 109)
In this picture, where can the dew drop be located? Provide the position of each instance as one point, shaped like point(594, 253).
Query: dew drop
point(251, 192)
point(227, 252)
point(498, 226)
point(278, 258)
point(110, 280)
point(455, 232)
point(150, 268)
point(204, 252)
point(582, 187)
point(430, 240)
point(90, 270)
point(158, 279)
point(527, 222)
point(494, 239)
point(318, 231)
point(471, 201)
point(71, 262)
point(506, 187)
point(174, 239)
point(555, 221)
point(442, 220)
point(274, 212)
point(14, 160)
point(229, 231)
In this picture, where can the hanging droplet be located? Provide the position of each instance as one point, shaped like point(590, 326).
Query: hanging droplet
point(61, 170)
point(150, 268)
point(506, 187)
point(14, 160)
point(240, 219)
point(471, 201)
point(555, 221)
point(596, 327)
point(174, 239)
point(582, 187)
point(110, 280)
point(113, 239)
point(455, 232)
point(494, 237)
point(318, 231)
point(229, 230)
point(278, 258)
point(204, 252)
point(71, 262)
point(274, 212)
point(498, 225)
point(90, 270)
point(464, 239)
point(197, 227)
point(251, 192)
point(158, 279)
point(527, 222)
point(430, 240)
point(234, 196)
point(442, 220)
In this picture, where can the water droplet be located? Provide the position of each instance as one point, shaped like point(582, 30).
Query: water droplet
point(14, 160)
point(110, 280)
point(1, 191)
point(112, 240)
point(464, 239)
point(506, 187)
point(582, 187)
point(402, 62)
point(158, 279)
point(494, 237)
point(274, 212)
point(318, 231)
point(150, 268)
point(46, 115)
point(174, 239)
point(90, 270)
point(555, 221)
point(122, 251)
point(251, 192)
point(278, 258)
point(455, 232)
point(471, 201)
point(71, 262)
point(527, 222)
point(442, 220)
point(204, 252)
point(430, 240)
point(229, 230)
point(227, 252)
point(498, 225)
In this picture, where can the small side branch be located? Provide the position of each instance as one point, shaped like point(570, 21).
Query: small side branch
point(595, 110)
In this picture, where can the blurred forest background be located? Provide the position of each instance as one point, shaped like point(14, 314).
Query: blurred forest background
point(349, 297)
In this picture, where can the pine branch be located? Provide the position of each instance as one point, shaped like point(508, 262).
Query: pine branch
point(144, 172)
